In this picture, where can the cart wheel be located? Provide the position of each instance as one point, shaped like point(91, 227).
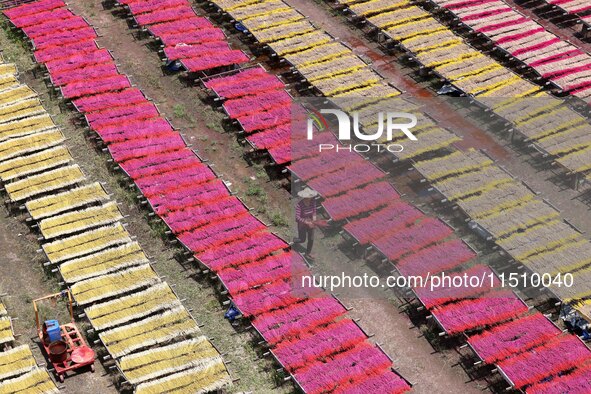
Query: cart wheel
point(61, 378)
point(92, 368)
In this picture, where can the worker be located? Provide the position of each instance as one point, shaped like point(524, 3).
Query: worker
point(305, 213)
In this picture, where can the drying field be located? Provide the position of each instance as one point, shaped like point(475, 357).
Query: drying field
point(146, 157)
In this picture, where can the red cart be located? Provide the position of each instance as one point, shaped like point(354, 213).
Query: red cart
point(69, 351)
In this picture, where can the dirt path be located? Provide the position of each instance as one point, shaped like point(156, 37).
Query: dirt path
point(430, 372)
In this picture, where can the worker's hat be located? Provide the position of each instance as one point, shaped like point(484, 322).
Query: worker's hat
point(307, 193)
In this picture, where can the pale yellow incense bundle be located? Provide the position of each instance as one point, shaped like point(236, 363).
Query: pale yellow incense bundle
point(44, 182)
point(31, 143)
point(148, 332)
point(103, 262)
point(35, 163)
point(118, 283)
point(453, 164)
point(282, 36)
point(154, 363)
point(7, 69)
point(16, 361)
point(26, 126)
point(86, 243)
point(16, 94)
point(158, 297)
point(6, 334)
point(80, 220)
point(36, 381)
point(197, 381)
point(47, 206)
point(21, 109)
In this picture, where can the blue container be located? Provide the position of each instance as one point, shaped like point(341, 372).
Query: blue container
point(52, 328)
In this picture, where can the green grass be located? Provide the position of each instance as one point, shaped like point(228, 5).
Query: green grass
point(159, 229)
point(278, 219)
point(179, 111)
point(213, 119)
point(260, 170)
point(254, 189)
point(17, 51)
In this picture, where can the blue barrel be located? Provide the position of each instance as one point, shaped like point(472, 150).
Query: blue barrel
point(52, 330)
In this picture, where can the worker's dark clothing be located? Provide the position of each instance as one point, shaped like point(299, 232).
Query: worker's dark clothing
point(305, 232)
point(305, 212)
